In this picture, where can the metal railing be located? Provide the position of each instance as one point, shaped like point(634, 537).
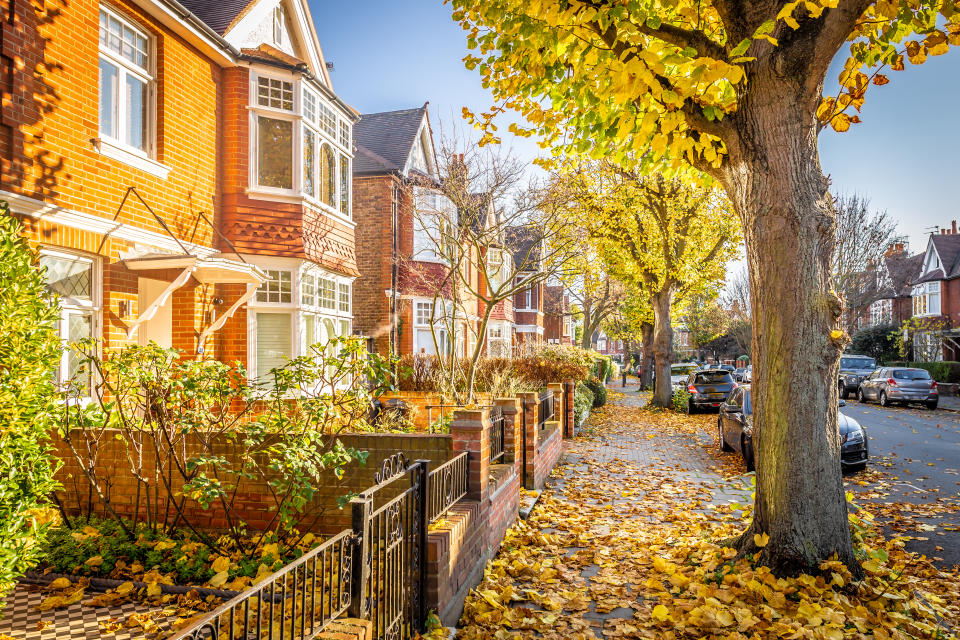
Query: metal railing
point(546, 412)
point(447, 485)
point(497, 435)
point(296, 603)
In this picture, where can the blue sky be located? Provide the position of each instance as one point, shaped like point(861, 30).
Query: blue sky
point(397, 54)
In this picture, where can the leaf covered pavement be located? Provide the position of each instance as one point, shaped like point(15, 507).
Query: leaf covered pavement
point(628, 542)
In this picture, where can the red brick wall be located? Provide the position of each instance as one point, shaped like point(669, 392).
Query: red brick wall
point(549, 449)
point(373, 213)
point(253, 504)
point(49, 123)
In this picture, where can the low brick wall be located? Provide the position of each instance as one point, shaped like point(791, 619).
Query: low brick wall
point(455, 558)
point(252, 504)
point(549, 449)
point(428, 407)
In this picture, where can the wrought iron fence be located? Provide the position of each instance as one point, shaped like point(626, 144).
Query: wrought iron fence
point(296, 603)
point(390, 581)
point(546, 411)
point(497, 433)
point(447, 485)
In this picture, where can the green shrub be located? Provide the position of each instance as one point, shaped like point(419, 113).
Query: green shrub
point(939, 371)
point(878, 342)
point(681, 399)
point(29, 354)
point(582, 402)
point(598, 390)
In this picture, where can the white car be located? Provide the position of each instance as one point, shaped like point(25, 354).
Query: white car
point(680, 372)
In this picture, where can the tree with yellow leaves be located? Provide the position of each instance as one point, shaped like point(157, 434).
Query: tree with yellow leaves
point(669, 239)
point(734, 88)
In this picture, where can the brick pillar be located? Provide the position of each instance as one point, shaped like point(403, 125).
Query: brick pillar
point(568, 391)
point(512, 423)
point(557, 388)
point(529, 402)
point(471, 432)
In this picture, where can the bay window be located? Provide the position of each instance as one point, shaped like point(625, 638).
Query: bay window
point(126, 84)
point(73, 280)
point(299, 147)
point(295, 308)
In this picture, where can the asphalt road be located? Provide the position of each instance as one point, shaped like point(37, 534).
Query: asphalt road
point(917, 452)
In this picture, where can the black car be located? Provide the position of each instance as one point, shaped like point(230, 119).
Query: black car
point(853, 370)
point(709, 388)
point(735, 427)
point(891, 385)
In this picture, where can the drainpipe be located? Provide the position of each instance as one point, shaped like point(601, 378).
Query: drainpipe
point(393, 274)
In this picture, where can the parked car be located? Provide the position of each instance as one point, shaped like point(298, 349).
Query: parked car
point(748, 374)
point(727, 367)
point(738, 373)
point(853, 370)
point(680, 372)
point(889, 385)
point(709, 388)
point(735, 431)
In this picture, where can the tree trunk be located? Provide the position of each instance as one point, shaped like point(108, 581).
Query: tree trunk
point(646, 370)
point(775, 182)
point(662, 346)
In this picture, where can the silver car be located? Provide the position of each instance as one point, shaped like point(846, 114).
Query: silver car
point(889, 385)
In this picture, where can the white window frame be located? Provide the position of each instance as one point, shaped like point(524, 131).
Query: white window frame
point(278, 25)
point(73, 306)
point(114, 146)
point(308, 106)
point(924, 295)
point(881, 311)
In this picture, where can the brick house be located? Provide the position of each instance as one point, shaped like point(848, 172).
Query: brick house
point(936, 298)
point(184, 174)
point(528, 327)
point(557, 316)
point(406, 226)
point(894, 298)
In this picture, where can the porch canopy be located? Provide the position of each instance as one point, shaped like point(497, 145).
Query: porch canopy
point(179, 268)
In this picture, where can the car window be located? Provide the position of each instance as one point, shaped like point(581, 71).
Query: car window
point(857, 363)
point(911, 374)
point(712, 377)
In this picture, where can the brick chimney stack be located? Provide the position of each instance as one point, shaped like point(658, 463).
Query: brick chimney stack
point(954, 226)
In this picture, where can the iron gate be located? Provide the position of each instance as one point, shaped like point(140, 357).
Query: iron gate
point(391, 519)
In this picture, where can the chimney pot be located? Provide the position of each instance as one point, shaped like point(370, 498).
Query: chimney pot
point(954, 225)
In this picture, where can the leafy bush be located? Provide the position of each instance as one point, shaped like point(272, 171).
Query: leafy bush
point(29, 354)
point(100, 547)
point(940, 371)
point(681, 400)
point(598, 390)
point(582, 402)
point(878, 342)
point(197, 432)
point(603, 367)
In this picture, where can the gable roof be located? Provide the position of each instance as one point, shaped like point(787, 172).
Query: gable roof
point(384, 140)
point(219, 15)
point(947, 247)
point(902, 270)
point(525, 246)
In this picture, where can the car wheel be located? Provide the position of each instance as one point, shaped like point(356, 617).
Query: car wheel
point(859, 467)
point(861, 397)
point(723, 443)
point(932, 404)
point(844, 394)
point(746, 450)
point(883, 399)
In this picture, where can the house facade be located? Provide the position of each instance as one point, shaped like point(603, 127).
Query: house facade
point(185, 175)
point(409, 299)
point(528, 327)
point(936, 299)
point(557, 316)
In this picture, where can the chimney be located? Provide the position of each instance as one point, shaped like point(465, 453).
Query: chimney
point(943, 232)
point(954, 225)
point(895, 249)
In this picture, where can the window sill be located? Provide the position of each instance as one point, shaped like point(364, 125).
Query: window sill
point(133, 158)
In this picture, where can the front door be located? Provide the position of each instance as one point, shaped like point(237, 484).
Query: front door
point(159, 328)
